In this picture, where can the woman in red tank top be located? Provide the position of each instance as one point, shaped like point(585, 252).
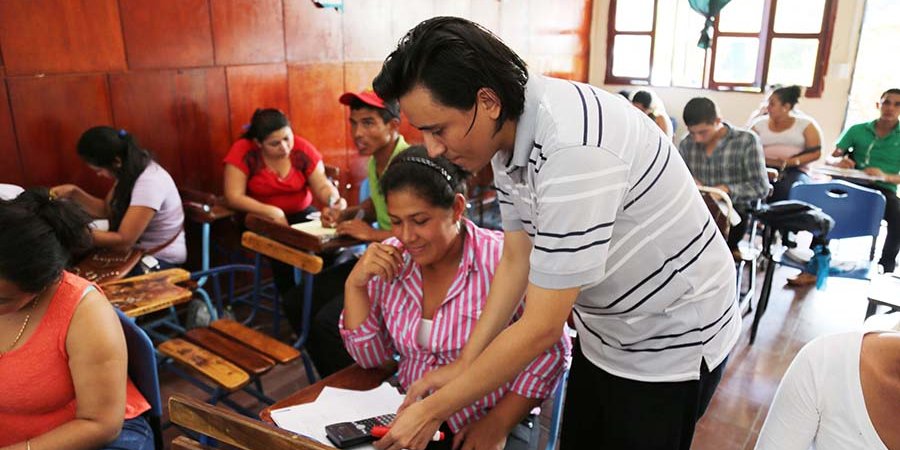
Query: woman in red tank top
point(63, 360)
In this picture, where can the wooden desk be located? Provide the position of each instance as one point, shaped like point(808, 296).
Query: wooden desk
point(352, 377)
point(296, 238)
point(137, 296)
point(884, 290)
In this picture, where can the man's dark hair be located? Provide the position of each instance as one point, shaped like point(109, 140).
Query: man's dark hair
point(453, 58)
point(642, 98)
point(893, 91)
point(390, 111)
point(700, 110)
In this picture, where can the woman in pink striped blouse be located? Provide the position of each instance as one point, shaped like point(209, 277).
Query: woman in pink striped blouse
point(420, 293)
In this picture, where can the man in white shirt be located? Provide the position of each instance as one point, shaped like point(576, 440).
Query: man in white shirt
point(601, 220)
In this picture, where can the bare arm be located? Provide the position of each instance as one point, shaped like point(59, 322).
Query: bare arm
point(130, 230)
point(539, 328)
point(98, 363)
point(97, 208)
point(491, 430)
point(237, 198)
point(323, 190)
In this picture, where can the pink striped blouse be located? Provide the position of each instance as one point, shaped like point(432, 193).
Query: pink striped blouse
point(396, 309)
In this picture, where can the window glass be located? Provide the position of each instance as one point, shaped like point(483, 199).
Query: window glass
point(799, 16)
point(634, 15)
point(792, 61)
point(631, 56)
point(736, 59)
point(742, 16)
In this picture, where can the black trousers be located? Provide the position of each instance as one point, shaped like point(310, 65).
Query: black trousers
point(603, 411)
point(892, 240)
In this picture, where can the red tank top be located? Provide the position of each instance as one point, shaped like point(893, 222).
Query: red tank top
point(36, 390)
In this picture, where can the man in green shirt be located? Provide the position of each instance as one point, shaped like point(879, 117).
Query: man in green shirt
point(374, 125)
point(874, 147)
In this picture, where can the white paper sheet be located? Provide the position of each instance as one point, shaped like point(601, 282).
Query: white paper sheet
point(337, 405)
point(315, 228)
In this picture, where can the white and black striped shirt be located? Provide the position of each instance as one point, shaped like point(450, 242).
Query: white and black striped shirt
point(611, 208)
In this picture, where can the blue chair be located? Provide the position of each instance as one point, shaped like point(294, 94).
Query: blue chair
point(857, 212)
point(559, 397)
point(142, 372)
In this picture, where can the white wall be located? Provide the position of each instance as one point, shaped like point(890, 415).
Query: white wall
point(828, 110)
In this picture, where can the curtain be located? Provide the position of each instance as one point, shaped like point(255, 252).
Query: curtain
point(709, 9)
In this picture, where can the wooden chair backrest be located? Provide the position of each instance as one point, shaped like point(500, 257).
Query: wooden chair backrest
point(232, 428)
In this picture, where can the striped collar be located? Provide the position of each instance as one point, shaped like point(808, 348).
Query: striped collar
point(526, 124)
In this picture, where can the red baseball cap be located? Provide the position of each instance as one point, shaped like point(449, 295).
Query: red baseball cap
point(369, 97)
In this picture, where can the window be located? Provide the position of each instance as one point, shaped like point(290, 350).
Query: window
point(754, 43)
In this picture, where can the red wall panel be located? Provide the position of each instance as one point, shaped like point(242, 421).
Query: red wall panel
point(312, 34)
point(251, 87)
point(50, 113)
point(181, 116)
point(173, 33)
point(248, 31)
point(60, 36)
point(12, 171)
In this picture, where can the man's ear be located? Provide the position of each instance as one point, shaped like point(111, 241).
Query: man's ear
point(394, 125)
point(489, 102)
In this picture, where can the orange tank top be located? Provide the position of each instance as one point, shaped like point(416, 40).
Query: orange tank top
point(36, 390)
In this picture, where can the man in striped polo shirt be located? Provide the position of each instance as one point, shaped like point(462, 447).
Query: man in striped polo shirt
point(601, 220)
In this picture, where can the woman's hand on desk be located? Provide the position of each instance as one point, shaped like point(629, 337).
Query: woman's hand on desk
point(412, 429)
point(63, 191)
point(380, 260)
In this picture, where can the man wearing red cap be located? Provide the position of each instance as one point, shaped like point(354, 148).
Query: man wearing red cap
point(374, 125)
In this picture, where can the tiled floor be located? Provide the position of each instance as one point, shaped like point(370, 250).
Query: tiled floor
point(739, 407)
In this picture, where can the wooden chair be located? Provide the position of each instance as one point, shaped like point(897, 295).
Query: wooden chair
point(233, 429)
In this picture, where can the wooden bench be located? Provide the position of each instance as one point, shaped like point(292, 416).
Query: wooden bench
point(232, 429)
point(228, 356)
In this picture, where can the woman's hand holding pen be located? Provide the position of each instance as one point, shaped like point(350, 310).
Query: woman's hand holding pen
point(413, 429)
point(380, 260)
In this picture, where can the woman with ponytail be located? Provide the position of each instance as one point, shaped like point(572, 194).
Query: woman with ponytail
point(143, 208)
point(63, 360)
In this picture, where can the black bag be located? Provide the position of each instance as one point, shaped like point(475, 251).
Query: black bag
point(795, 215)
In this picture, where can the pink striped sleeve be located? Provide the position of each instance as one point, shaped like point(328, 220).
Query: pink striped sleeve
point(369, 344)
point(541, 375)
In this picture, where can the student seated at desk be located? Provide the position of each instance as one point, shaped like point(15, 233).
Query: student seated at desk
point(143, 207)
point(274, 174)
point(63, 360)
point(420, 294)
point(840, 392)
point(874, 147)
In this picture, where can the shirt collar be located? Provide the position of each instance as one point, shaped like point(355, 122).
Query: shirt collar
point(525, 125)
point(871, 127)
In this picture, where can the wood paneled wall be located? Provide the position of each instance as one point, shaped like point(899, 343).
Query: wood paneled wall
point(184, 76)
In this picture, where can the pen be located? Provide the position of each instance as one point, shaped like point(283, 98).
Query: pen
point(378, 431)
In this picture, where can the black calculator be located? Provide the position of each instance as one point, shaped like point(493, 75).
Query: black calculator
point(348, 434)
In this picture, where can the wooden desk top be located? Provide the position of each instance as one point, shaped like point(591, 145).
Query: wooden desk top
point(296, 238)
point(352, 377)
point(137, 296)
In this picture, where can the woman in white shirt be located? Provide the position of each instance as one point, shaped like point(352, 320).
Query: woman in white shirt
point(790, 141)
point(841, 392)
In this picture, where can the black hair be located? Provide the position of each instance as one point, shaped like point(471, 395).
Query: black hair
point(453, 58)
point(642, 98)
point(700, 110)
point(38, 238)
point(437, 180)
point(100, 146)
point(390, 111)
point(788, 95)
point(625, 93)
point(264, 122)
point(890, 91)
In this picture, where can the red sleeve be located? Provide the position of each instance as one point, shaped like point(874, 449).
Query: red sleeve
point(236, 155)
point(312, 154)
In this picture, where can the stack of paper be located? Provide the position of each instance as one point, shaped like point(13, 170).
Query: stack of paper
point(337, 405)
point(315, 228)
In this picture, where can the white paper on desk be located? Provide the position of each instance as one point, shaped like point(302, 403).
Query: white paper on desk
point(337, 405)
point(315, 228)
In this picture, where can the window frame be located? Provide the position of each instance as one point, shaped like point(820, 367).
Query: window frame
point(766, 35)
point(611, 36)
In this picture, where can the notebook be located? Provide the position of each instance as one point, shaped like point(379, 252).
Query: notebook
point(315, 228)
